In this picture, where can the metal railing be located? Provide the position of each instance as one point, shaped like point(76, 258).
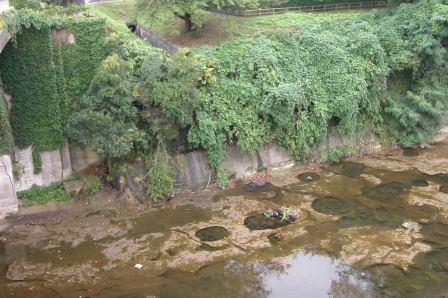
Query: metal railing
point(307, 8)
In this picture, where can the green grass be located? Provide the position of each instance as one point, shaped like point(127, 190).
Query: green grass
point(127, 11)
point(294, 20)
point(90, 184)
point(216, 29)
point(41, 195)
point(119, 11)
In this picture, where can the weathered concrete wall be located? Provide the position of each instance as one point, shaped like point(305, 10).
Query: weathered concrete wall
point(272, 156)
point(4, 38)
point(63, 36)
point(239, 163)
point(361, 143)
point(443, 134)
point(8, 200)
point(55, 167)
point(192, 170)
point(82, 158)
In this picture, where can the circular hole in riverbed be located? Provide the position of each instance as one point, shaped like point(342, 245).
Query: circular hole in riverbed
point(352, 169)
point(419, 183)
point(263, 191)
point(387, 191)
point(262, 222)
point(308, 177)
point(213, 233)
point(331, 205)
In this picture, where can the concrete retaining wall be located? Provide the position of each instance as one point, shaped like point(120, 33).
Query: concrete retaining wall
point(8, 200)
point(4, 38)
point(82, 158)
point(193, 170)
point(56, 166)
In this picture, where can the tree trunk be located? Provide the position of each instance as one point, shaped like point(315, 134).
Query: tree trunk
point(189, 26)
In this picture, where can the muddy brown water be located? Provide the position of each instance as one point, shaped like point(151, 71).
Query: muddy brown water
point(348, 240)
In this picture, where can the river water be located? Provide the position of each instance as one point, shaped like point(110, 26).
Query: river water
point(375, 226)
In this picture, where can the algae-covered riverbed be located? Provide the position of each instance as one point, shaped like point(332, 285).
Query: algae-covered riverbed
point(375, 226)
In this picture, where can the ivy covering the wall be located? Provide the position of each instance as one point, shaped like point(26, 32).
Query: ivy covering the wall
point(5, 127)
point(81, 58)
point(46, 75)
point(29, 74)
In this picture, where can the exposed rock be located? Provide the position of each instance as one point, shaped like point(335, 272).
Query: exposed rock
point(411, 226)
point(257, 183)
point(22, 271)
point(366, 247)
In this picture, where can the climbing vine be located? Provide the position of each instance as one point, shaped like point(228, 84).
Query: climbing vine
point(366, 73)
point(28, 72)
point(47, 69)
point(81, 58)
point(5, 127)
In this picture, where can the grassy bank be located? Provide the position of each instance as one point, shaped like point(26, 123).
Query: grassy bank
point(217, 28)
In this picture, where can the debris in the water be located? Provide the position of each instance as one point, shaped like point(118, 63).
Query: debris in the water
point(138, 266)
point(275, 237)
point(257, 183)
point(269, 213)
point(308, 177)
point(286, 214)
point(411, 226)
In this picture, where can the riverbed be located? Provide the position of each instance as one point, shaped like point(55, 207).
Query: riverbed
point(372, 226)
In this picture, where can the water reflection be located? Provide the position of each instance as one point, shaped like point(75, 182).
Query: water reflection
point(308, 275)
point(299, 275)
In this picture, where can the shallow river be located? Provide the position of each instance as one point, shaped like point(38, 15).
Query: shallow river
point(369, 227)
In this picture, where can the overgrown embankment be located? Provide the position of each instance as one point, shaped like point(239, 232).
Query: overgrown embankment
point(385, 72)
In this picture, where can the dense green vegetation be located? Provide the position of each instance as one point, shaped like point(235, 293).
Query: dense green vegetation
point(5, 128)
point(191, 12)
point(28, 71)
point(160, 181)
point(39, 195)
point(373, 72)
point(89, 184)
point(384, 72)
point(295, 20)
point(215, 28)
point(46, 75)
